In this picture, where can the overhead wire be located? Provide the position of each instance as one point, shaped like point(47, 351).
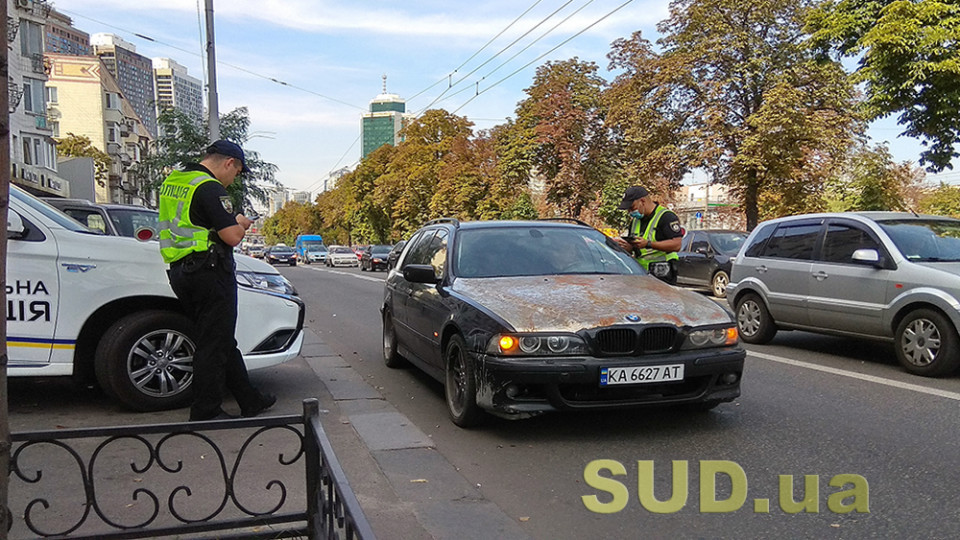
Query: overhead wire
point(479, 50)
point(537, 59)
point(511, 44)
point(521, 51)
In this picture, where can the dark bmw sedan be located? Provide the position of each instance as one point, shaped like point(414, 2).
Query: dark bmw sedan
point(525, 317)
point(281, 255)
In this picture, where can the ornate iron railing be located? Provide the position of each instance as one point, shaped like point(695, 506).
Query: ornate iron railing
point(165, 462)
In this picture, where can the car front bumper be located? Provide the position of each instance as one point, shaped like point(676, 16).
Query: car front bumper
point(352, 261)
point(523, 386)
point(269, 327)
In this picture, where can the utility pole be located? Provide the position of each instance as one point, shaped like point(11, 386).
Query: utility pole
point(213, 110)
point(6, 518)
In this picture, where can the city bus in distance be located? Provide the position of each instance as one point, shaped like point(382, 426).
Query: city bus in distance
point(306, 243)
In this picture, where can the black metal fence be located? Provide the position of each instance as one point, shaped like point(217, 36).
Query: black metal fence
point(184, 479)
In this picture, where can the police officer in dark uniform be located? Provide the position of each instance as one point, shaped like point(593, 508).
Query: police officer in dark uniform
point(654, 235)
point(198, 230)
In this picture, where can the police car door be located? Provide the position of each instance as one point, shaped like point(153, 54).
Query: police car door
point(32, 289)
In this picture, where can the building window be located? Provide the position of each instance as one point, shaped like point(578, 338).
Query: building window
point(113, 101)
point(55, 127)
point(33, 100)
point(113, 133)
point(31, 38)
point(51, 94)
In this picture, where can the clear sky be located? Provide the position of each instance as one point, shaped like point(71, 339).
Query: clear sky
point(331, 55)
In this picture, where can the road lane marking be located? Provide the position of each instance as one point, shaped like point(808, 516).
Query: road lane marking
point(869, 378)
point(332, 271)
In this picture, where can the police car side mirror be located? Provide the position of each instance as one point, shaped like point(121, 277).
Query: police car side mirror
point(15, 227)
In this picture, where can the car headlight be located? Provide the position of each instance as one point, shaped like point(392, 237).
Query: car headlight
point(711, 337)
point(266, 282)
point(536, 345)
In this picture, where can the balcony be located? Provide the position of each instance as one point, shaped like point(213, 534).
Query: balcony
point(37, 65)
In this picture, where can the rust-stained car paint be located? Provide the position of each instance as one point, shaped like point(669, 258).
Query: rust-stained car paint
point(574, 302)
point(425, 316)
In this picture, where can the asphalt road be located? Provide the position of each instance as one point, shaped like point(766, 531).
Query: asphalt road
point(813, 408)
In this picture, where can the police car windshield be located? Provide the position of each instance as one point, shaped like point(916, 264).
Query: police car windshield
point(48, 211)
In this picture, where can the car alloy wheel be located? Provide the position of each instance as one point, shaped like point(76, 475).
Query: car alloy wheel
point(391, 357)
point(460, 385)
point(753, 320)
point(719, 284)
point(927, 344)
point(146, 360)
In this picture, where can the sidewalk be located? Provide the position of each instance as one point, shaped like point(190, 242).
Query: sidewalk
point(406, 487)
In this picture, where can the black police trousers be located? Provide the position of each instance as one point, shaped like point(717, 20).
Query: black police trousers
point(209, 296)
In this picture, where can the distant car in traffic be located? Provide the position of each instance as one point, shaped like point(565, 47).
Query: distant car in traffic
point(341, 256)
point(281, 254)
point(395, 254)
point(374, 257)
point(518, 318)
point(316, 254)
point(706, 257)
point(256, 251)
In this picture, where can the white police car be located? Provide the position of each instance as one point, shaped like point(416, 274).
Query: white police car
point(90, 305)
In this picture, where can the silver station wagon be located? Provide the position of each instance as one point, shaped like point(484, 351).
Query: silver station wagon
point(880, 275)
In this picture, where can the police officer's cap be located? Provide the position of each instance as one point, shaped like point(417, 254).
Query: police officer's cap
point(631, 194)
point(229, 149)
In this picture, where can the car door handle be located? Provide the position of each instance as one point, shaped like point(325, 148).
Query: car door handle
point(821, 275)
point(761, 269)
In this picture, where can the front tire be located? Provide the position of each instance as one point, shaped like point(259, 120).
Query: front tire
point(926, 344)
point(391, 357)
point(460, 385)
point(754, 321)
point(145, 360)
point(718, 285)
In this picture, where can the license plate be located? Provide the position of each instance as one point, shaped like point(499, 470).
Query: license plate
point(640, 374)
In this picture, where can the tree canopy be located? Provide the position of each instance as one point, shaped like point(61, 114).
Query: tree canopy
point(908, 60)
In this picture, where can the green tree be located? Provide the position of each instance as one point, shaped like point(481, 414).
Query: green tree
point(410, 181)
point(80, 146)
point(290, 221)
point(943, 201)
point(908, 61)
point(873, 181)
point(733, 91)
point(564, 114)
point(182, 140)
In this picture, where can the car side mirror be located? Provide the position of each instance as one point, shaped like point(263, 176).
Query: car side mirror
point(420, 273)
point(869, 257)
point(15, 227)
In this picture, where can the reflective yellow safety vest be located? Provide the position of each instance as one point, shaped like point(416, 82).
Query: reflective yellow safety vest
point(648, 255)
point(179, 237)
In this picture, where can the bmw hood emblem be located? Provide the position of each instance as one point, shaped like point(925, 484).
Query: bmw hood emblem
point(632, 318)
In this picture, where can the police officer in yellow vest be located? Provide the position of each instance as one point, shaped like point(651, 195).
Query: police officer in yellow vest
point(654, 235)
point(198, 230)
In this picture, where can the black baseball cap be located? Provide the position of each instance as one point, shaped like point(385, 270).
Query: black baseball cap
point(631, 194)
point(229, 149)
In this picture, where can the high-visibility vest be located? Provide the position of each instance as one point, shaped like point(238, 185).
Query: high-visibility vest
point(649, 255)
point(179, 236)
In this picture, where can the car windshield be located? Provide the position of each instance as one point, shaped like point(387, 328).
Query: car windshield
point(925, 240)
point(380, 250)
point(314, 245)
point(129, 220)
point(341, 249)
point(281, 250)
point(728, 243)
point(539, 250)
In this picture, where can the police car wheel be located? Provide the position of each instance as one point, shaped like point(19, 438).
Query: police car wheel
point(145, 360)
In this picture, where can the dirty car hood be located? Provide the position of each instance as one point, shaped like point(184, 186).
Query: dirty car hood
point(574, 302)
